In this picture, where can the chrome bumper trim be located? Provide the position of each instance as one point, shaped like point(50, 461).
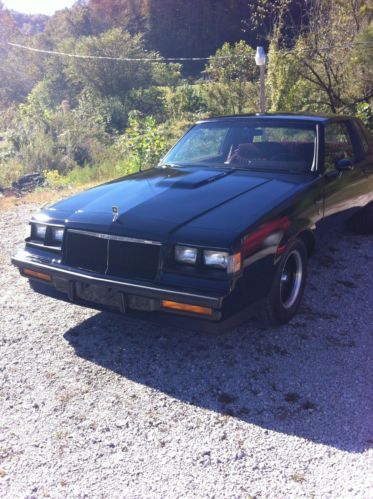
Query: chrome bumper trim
point(152, 291)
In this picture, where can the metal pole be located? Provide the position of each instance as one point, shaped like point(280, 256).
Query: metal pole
point(262, 104)
point(261, 60)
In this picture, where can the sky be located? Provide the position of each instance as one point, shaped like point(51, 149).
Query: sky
point(37, 6)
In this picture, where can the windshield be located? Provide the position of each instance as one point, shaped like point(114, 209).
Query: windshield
point(253, 146)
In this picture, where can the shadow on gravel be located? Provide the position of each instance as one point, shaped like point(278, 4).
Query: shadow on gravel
point(283, 380)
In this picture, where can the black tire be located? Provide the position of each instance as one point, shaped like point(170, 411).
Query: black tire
point(362, 221)
point(286, 293)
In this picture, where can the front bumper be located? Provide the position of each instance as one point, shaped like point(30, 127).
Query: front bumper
point(102, 291)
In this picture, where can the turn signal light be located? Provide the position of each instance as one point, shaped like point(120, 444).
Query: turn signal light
point(184, 307)
point(37, 275)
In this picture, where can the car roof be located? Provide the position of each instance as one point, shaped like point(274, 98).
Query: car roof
point(306, 117)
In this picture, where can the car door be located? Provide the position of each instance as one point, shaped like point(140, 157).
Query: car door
point(342, 190)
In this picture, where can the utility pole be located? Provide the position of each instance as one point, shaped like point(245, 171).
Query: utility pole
point(260, 60)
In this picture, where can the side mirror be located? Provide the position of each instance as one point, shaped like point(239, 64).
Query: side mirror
point(343, 164)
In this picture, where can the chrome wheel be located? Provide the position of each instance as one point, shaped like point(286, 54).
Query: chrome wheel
point(291, 279)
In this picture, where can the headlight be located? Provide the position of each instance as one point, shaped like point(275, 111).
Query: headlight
point(40, 231)
point(57, 234)
point(223, 260)
point(28, 232)
point(216, 258)
point(184, 254)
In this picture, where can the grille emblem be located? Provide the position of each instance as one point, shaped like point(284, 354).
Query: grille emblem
point(115, 211)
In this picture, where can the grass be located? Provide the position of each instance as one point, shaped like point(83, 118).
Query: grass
point(40, 196)
point(60, 186)
point(85, 175)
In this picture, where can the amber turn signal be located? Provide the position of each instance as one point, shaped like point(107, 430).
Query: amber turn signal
point(184, 307)
point(37, 275)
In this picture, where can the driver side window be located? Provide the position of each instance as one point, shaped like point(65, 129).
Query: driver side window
point(337, 145)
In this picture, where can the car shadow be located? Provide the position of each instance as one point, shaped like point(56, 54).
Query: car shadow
point(286, 380)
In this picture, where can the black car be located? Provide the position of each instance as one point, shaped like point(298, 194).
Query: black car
point(225, 221)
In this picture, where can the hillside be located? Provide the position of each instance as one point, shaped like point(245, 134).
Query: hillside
point(76, 119)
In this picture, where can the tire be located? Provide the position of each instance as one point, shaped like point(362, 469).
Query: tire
point(285, 296)
point(362, 221)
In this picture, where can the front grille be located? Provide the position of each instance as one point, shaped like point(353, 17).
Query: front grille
point(111, 255)
point(86, 252)
point(133, 259)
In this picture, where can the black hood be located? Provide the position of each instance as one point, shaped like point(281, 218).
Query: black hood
point(157, 204)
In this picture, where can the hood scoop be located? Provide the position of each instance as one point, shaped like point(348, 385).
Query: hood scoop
point(190, 179)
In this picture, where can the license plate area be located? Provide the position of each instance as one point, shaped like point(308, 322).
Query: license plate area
point(98, 294)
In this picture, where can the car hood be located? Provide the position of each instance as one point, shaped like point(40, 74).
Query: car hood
point(159, 204)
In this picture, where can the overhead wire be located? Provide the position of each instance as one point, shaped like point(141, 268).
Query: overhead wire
point(110, 58)
point(160, 58)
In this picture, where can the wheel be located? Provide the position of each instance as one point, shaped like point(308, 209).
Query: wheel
point(362, 221)
point(286, 293)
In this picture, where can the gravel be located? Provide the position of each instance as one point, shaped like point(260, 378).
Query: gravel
point(97, 405)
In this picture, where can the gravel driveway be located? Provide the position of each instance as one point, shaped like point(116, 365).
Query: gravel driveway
point(97, 405)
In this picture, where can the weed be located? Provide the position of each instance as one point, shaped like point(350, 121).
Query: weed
point(61, 435)
point(298, 477)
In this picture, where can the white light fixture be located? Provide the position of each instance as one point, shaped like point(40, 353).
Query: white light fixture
point(260, 57)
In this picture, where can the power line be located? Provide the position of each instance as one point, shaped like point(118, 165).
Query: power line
point(162, 59)
point(109, 58)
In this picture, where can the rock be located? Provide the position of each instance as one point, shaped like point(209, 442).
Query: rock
point(29, 182)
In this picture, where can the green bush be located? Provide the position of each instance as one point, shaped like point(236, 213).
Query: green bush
point(183, 100)
point(143, 142)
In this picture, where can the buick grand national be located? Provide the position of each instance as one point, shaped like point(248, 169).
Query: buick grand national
point(226, 220)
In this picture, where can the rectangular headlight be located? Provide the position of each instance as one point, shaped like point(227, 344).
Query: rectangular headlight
point(184, 254)
point(216, 258)
point(40, 231)
point(28, 231)
point(223, 260)
point(57, 234)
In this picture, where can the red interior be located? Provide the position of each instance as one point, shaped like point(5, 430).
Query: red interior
point(295, 151)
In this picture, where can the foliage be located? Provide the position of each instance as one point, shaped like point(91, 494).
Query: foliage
point(106, 77)
point(86, 120)
point(329, 66)
point(365, 113)
point(232, 71)
point(149, 101)
point(61, 138)
point(143, 141)
point(184, 100)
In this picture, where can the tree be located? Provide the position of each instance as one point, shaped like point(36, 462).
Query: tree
point(233, 73)
point(330, 59)
point(17, 75)
point(108, 77)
